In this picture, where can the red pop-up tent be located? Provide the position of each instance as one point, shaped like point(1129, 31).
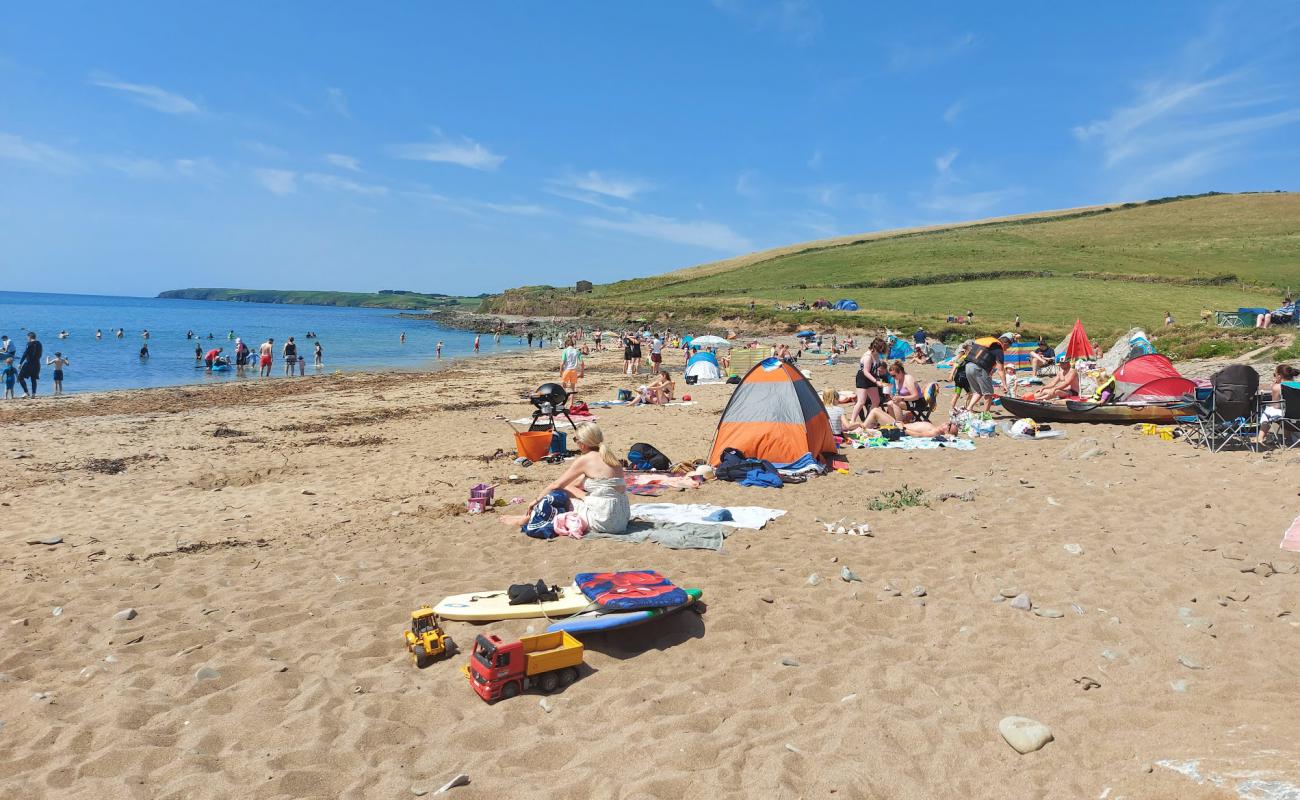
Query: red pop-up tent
point(1077, 344)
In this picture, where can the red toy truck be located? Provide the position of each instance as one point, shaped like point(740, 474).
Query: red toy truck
point(498, 669)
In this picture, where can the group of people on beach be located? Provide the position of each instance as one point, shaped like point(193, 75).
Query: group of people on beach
point(25, 370)
point(265, 359)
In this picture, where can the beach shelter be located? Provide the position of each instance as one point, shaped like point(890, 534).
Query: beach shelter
point(1077, 344)
point(1017, 355)
point(1151, 376)
point(846, 305)
point(900, 348)
point(704, 366)
point(774, 414)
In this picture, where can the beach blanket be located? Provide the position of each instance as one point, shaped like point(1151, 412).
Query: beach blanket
point(673, 535)
point(1291, 539)
point(754, 517)
point(913, 443)
point(560, 422)
point(805, 465)
point(630, 590)
point(607, 403)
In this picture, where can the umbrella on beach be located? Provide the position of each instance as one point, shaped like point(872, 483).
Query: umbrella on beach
point(710, 341)
point(1077, 345)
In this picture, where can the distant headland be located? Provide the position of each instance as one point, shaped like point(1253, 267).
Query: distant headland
point(399, 299)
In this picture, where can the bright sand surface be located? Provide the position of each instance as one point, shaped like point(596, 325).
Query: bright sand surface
point(288, 559)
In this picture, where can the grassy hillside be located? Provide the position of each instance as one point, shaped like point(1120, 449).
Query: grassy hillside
point(1114, 266)
point(398, 300)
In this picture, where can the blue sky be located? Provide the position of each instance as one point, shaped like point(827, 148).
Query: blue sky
point(471, 147)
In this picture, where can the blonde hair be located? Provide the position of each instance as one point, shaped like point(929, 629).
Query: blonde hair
point(830, 397)
point(590, 435)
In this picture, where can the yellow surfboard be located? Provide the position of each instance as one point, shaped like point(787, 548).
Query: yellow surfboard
point(494, 605)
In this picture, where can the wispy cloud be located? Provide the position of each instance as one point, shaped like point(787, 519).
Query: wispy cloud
point(952, 112)
point(338, 101)
point(951, 195)
point(903, 56)
point(148, 96)
point(698, 233)
point(163, 169)
point(1197, 117)
point(815, 160)
point(37, 154)
point(798, 20)
point(747, 184)
point(473, 207)
point(339, 184)
point(462, 151)
point(943, 164)
point(263, 149)
point(344, 162)
point(593, 182)
point(277, 181)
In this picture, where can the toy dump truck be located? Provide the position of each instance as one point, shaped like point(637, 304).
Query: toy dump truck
point(499, 670)
point(425, 640)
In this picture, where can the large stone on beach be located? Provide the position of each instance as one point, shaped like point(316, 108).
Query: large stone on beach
point(1022, 602)
point(125, 614)
point(1024, 734)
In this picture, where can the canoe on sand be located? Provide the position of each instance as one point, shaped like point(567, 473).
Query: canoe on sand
point(1162, 412)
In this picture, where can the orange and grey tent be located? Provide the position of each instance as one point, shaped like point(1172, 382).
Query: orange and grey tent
point(774, 414)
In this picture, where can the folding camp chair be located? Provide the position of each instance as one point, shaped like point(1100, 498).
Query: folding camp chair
point(1230, 414)
point(924, 407)
point(1285, 430)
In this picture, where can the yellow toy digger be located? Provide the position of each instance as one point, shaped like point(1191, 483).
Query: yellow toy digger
point(425, 640)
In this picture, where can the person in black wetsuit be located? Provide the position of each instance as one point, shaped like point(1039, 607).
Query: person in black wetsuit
point(290, 356)
point(30, 366)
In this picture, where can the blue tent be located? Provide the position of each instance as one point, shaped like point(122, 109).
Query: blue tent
point(846, 305)
point(806, 334)
point(901, 348)
point(704, 356)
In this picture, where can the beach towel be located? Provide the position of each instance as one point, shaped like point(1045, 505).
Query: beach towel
point(1009, 430)
point(673, 535)
point(653, 484)
point(914, 443)
point(541, 520)
point(803, 466)
point(1291, 539)
point(754, 517)
point(630, 590)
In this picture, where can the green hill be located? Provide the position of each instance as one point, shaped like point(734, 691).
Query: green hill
point(1114, 266)
point(391, 298)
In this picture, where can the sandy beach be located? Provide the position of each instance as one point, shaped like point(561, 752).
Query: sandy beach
point(274, 537)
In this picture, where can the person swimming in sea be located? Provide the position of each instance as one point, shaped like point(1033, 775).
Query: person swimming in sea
point(144, 351)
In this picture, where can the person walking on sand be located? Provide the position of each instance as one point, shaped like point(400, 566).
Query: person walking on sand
point(265, 355)
point(320, 355)
point(476, 343)
point(29, 368)
point(571, 366)
point(437, 350)
point(58, 362)
point(290, 353)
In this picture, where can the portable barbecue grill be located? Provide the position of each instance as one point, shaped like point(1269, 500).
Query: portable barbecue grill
point(550, 400)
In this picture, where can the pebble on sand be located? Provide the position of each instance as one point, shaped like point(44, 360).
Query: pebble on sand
point(1009, 592)
point(126, 614)
point(1022, 602)
point(1191, 663)
point(207, 674)
point(1023, 734)
point(789, 662)
point(849, 576)
point(1074, 549)
point(1050, 613)
point(919, 591)
point(813, 579)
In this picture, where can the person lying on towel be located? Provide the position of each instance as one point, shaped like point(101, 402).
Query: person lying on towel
point(878, 418)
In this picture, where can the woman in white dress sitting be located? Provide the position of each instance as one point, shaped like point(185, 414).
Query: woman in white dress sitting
point(594, 482)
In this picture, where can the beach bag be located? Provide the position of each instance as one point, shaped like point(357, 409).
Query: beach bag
point(580, 409)
point(541, 521)
point(624, 395)
point(692, 379)
point(525, 593)
point(642, 456)
point(734, 379)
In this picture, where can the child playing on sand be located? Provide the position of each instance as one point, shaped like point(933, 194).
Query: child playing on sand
point(10, 373)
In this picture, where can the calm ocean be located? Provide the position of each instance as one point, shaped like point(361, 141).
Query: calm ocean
point(352, 338)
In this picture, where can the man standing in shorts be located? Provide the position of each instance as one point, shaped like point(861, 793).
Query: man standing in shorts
point(571, 366)
point(266, 354)
point(657, 353)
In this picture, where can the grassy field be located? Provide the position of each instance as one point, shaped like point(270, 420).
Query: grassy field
point(405, 301)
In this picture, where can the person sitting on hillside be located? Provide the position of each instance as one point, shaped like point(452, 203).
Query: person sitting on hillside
point(1065, 384)
point(1285, 315)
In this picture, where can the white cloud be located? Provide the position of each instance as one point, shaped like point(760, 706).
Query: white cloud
point(335, 183)
point(472, 207)
point(593, 182)
point(952, 112)
point(944, 162)
point(967, 204)
point(344, 162)
point(338, 101)
point(698, 233)
point(516, 209)
point(148, 96)
point(16, 148)
point(263, 149)
point(163, 169)
point(464, 152)
point(277, 181)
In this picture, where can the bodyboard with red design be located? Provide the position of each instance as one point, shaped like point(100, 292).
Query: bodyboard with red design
point(630, 590)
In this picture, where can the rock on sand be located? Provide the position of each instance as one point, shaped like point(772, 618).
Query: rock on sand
point(1024, 734)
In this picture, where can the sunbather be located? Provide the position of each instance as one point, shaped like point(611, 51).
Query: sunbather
point(594, 482)
point(907, 393)
point(1065, 384)
point(1273, 410)
point(878, 419)
point(658, 392)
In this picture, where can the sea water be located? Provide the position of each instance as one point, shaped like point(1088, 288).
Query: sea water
point(352, 338)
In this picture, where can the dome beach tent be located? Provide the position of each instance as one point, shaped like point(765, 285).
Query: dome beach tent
point(846, 305)
point(1151, 376)
point(774, 414)
point(704, 366)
